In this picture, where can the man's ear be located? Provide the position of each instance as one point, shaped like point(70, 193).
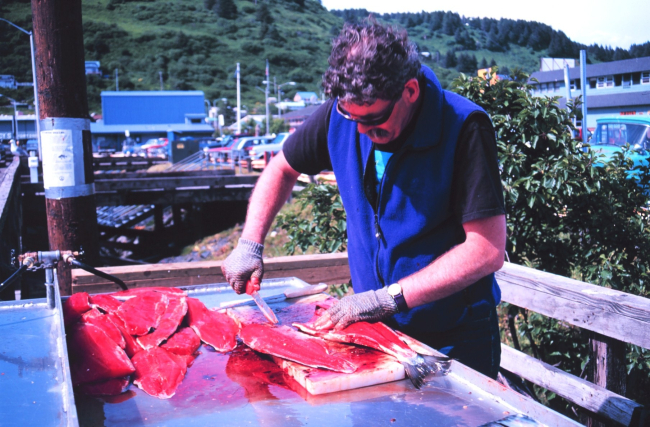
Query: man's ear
point(411, 91)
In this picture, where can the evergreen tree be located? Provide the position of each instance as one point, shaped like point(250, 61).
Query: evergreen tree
point(493, 63)
point(483, 63)
point(450, 59)
point(467, 63)
point(209, 4)
point(226, 9)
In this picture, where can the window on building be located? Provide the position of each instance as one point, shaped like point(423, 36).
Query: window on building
point(575, 84)
point(542, 88)
point(605, 82)
point(645, 78)
point(626, 80)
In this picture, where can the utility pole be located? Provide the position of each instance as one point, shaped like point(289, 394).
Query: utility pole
point(117, 80)
point(584, 83)
point(238, 102)
point(65, 131)
point(266, 98)
point(161, 80)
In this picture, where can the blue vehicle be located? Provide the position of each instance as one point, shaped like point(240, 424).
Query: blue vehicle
point(613, 134)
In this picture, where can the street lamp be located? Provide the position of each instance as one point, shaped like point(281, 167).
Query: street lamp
point(36, 104)
point(279, 91)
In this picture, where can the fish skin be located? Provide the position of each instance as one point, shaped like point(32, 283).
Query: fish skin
point(215, 329)
point(143, 312)
point(287, 343)
point(184, 342)
point(74, 307)
point(171, 319)
point(94, 356)
point(379, 337)
point(94, 317)
point(158, 372)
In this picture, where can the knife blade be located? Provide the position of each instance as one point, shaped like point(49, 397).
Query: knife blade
point(252, 288)
point(292, 293)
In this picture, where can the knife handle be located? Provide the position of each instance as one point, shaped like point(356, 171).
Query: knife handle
point(253, 285)
point(307, 290)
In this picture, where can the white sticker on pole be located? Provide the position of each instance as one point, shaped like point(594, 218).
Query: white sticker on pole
point(58, 169)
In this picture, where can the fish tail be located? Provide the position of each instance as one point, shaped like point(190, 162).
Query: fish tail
point(438, 364)
point(417, 370)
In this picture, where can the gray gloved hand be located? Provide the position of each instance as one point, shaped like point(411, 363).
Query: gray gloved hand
point(369, 306)
point(242, 264)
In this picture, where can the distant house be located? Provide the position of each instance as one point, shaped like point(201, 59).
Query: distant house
point(7, 81)
point(298, 117)
point(92, 67)
point(615, 88)
point(306, 97)
point(150, 114)
point(26, 127)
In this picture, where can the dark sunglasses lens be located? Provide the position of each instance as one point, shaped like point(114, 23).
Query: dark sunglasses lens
point(371, 122)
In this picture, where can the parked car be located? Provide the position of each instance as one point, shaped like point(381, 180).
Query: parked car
point(612, 134)
point(274, 146)
point(153, 147)
point(241, 144)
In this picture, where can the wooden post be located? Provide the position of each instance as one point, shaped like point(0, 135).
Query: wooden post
point(607, 360)
point(65, 131)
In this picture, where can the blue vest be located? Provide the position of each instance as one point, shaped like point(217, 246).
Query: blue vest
point(411, 223)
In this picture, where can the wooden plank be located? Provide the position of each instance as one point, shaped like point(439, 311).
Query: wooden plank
point(328, 268)
point(576, 390)
point(616, 314)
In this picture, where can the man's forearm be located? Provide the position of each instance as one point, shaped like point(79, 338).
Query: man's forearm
point(482, 253)
point(271, 192)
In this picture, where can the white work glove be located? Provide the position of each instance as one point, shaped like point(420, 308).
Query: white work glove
point(244, 263)
point(369, 306)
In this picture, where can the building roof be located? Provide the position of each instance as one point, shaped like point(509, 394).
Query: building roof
point(302, 113)
point(630, 99)
point(152, 93)
point(596, 70)
point(100, 127)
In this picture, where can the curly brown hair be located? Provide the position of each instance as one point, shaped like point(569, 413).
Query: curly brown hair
point(368, 62)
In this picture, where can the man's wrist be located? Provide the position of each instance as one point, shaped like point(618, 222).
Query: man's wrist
point(397, 294)
point(251, 247)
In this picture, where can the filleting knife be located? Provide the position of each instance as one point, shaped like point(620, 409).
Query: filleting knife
point(288, 294)
point(252, 288)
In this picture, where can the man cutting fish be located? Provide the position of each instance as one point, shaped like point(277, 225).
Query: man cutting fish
point(417, 170)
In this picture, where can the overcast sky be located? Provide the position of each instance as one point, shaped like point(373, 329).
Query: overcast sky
point(606, 22)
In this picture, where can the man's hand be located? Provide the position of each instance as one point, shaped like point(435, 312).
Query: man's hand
point(369, 306)
point(243, 264)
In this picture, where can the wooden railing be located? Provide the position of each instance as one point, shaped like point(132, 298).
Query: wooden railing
point(605, 312)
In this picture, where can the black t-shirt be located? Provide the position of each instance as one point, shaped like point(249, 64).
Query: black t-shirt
point(476, 186)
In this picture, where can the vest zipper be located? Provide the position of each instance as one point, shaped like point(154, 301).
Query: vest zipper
point(378, 233)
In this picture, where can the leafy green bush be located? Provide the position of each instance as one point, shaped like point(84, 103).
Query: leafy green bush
point(326, 227)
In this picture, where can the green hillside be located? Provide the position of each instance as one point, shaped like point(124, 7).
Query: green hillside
point(197, 43)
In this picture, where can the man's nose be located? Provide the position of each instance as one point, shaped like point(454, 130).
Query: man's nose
point(363, 128)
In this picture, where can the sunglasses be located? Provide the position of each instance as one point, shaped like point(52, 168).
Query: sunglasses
point(375, 120)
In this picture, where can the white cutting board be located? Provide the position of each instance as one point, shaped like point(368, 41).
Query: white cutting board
point(373, 367)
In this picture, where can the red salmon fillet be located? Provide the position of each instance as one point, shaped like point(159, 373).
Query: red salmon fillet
point(183, 342)
point(131, 345)
point(158, 372)
point(130, 293)
point(106, 303)
point(170, 321)
point(143, 312)
point(287, 343)
point(94, 317)
point(94, 356)
point(373, 335)
point(111, 387)
point(215, 329)
point(74, 307)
